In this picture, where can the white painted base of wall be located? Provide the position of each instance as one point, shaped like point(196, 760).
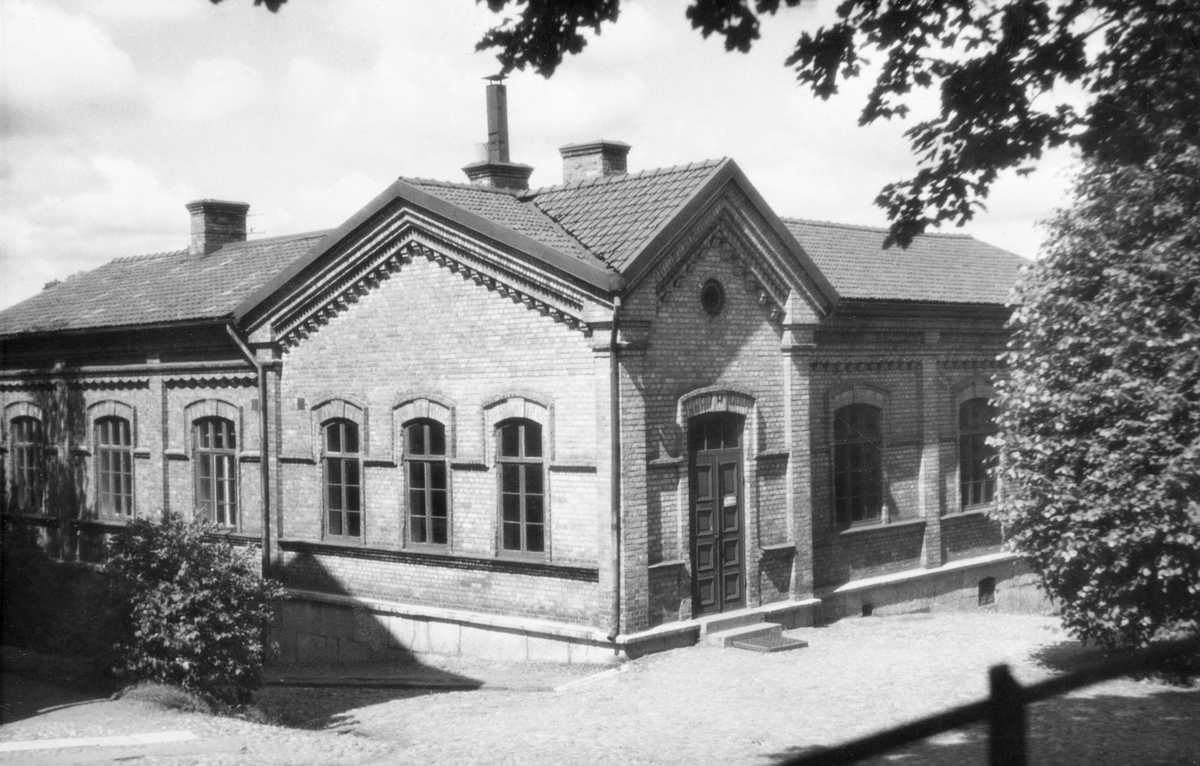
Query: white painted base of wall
point(318, 627)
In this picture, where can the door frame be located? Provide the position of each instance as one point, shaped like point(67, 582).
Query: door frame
point(738, 424)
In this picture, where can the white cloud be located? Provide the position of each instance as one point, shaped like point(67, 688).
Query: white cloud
point(60, 72)
point(211, 89)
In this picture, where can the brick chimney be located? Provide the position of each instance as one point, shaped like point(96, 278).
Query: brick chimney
point(215, 223)
point(495, 169)
point(594, 159)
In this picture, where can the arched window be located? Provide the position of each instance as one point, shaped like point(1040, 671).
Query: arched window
point(976, 458)
point(114, 466)
point(428, 502)
point(343, 479)
point(522, 487)
point(216, 470)
point(28, 451)
point(857, 463)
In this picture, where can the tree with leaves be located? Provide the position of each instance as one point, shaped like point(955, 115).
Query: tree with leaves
point(1100, 420)
point(996, 65)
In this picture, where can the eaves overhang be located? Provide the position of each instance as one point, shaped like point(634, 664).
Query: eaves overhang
point(598, 279)
point(867, 308)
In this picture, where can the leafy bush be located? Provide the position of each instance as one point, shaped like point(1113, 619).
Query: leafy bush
point(199, 610)
point(1100, 421)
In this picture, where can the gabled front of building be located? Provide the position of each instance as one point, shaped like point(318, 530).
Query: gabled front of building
point(559, 423)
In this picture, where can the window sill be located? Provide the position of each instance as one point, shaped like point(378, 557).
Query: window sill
point(978, 510)
point(881, 527)
point(779, 549)
point(175, 454)
point(667, 564)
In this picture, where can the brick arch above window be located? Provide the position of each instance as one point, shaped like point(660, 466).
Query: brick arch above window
point(110, 408)
point(206, 408)
point(975, 388)
point(340, 408)
point(418, 407)
point(516, 406)
point(858, 393)
point(703, 401)
point(22, 409)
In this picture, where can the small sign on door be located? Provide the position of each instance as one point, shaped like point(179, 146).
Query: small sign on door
point(730, 501)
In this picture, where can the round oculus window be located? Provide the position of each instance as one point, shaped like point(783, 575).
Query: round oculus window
point(712, 297)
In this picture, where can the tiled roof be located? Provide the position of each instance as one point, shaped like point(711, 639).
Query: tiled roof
point(615, 216)
point(167, 287)
point(503, 207)
point(942, 268)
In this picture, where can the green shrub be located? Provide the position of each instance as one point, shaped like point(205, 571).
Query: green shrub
point(198, 608)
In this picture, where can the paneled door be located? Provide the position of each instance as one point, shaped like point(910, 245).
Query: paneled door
point(718, 542)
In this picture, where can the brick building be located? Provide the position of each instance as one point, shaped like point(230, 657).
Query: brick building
point(551, 423)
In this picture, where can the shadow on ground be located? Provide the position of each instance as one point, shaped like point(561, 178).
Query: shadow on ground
point(1090, 727)
point(22, 698)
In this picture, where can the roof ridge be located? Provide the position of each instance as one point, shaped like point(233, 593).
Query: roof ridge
point(618, 177)
point(459, 185)
point(864, 227)
point(143, 257)
point(279, 238)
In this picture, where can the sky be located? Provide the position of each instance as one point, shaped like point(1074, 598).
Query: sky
point(115, 114)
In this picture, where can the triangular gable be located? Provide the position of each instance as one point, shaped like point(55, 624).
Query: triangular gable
point(405, 222)
point(727, 212)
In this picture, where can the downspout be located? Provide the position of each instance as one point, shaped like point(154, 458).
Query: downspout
point(614, 420)
point(263, 464)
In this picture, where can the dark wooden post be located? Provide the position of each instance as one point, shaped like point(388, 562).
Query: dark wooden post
point(1007, 715)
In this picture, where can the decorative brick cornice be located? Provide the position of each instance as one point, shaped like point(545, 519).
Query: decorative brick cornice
point(842, 366)
point(109, 384)
point(231, 380)
point(972, 364)
point(396, 236)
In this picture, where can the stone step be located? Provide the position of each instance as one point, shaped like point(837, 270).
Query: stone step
point(769, 644)
point(743, 633)
point(722, 622)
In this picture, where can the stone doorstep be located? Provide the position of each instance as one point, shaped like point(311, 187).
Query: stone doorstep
point(719, 623)
point(770, 644)
point(727, 636)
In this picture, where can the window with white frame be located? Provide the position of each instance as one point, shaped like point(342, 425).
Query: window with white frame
point(522, 487)
point(342, 463)
point(216, 486)
point(428, 490)
point(858, 464)
point(28, 467)
point(114, 467)
point(976, 458)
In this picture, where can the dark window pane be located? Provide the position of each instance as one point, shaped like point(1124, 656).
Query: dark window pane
point(533, 440)
point(440, 532)
point(437, 475)
point(418, 529)
point(333, 437)
point(438, 500)
point(510, 440)
point(437, 439)
point(416, 439)
point(533, 509)
point(511, 507)
point(335, 523)
point(533, 479)
point(351, 438)
point(512, 536)
point(416, 475)
point(351, 467)
point(352, 524)
point(510, 478)
point(353, 498)
point(534, 539)
point(416, 503)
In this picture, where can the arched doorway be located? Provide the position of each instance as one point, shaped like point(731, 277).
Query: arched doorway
point(717, 517)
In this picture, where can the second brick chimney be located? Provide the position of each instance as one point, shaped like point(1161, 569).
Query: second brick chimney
point(593, 159)
point(496, 170)
point(215, 223)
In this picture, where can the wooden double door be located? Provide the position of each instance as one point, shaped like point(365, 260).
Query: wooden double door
point(717, 517)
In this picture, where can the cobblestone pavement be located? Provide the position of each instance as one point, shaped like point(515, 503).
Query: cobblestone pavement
point(698, 705)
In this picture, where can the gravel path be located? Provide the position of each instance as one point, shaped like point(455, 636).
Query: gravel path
point(696, 705)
